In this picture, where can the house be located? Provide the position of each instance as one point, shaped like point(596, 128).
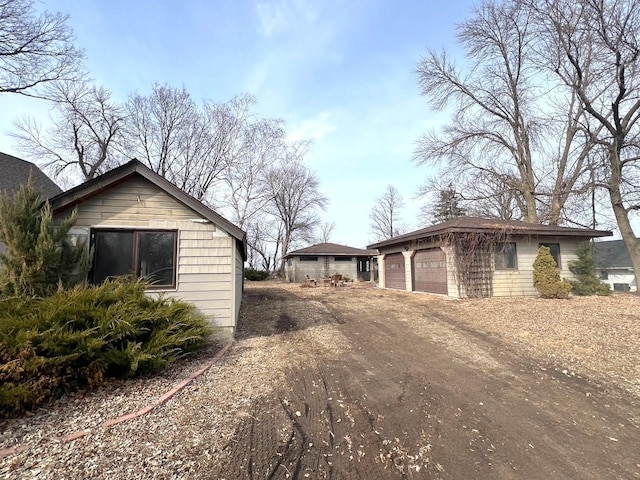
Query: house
point(475, 257)
point(614, 265)
point(326, 259)
point(15, 172)
point(139, 223)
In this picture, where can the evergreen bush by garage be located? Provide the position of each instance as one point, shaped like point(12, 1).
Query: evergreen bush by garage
point(587, 281)
point(546, 277)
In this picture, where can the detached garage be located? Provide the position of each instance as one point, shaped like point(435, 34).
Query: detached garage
point(476, 257)
point(394, 271)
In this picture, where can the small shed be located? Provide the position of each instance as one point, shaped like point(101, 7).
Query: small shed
point(475, 257)
point(140, 224)
point(326, 259)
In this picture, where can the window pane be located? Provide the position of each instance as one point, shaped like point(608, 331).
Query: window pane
point(156, 251)
point(113, 255)
point(506, 257)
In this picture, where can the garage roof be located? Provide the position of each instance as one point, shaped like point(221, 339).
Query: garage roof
point(476, 224)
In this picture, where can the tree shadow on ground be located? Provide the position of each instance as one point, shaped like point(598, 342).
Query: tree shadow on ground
point(271, 311)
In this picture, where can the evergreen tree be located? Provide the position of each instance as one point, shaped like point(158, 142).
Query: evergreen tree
point(38, 258)
point(587, 281)
point(546, 277)
point(448, 206)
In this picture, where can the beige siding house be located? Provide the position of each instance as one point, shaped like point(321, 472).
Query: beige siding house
point(139, 223)
point(475, 257)
point(327, 259)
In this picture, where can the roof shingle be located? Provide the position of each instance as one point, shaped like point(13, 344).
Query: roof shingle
point(15, 172)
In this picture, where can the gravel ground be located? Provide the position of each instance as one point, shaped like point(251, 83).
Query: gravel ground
point(594, 336)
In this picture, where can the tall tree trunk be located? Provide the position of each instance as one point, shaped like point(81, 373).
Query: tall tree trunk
point(622, 214)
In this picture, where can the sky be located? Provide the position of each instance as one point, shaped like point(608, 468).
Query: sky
point(340, 72)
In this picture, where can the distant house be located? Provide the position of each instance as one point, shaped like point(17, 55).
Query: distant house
point(614, 265)
point(140, 224)
point(15, 172)
point(475, 257)
point(326, 259)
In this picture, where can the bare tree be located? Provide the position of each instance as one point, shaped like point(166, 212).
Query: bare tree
point(594, 48)
point(35, 50)
point(296, 197)
point(249, 189)
point(157, 127)
point(385, 215)
point(85, 134)
point(190, 145)
point(326, 231)
point(504, 105)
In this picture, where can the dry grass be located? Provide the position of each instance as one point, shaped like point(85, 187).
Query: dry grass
point(595, 336)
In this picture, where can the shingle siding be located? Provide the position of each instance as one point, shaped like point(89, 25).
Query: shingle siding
point(206, 257)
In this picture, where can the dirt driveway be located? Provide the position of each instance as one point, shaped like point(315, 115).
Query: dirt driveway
point(413, 393)
point(362, 383)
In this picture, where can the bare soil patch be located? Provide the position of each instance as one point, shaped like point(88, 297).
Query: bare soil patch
point(357, 382)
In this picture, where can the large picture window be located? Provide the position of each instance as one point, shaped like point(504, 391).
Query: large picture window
point(142, 253)
point(506, 256)
point(555, 252)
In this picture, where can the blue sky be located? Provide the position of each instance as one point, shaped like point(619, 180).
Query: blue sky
point(339, 72)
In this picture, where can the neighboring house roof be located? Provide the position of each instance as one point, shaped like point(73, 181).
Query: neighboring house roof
point(15, 172)
point(333, 249)
point(92, 187)
point(475, 224)
point(612, 254)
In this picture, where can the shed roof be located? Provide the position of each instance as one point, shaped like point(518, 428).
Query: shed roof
point(612, 254)
point(333, 249)
point(90, 188)
point(15, 172)
point(476, 224)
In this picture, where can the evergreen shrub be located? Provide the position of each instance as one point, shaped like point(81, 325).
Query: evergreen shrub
point(255, 275)
point(546, 277)
point(81, 336)
point(586, 280)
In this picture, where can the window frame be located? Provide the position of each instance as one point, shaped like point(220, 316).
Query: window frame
point(499, 252)
point(135, 268)
point(343, 259)
point(308, 258)
point(559, 259)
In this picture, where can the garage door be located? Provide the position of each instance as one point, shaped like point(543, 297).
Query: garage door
point(394, 271)
point(430, 271)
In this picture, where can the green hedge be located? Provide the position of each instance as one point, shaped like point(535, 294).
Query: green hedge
point(255, 275)
point(82, 336)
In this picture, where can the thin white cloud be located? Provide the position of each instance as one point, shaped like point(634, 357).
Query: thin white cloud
point(313, 128)
point(278, 16)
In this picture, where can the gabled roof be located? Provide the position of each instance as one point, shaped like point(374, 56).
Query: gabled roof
point(92, 187)
point(14, 172)
point(480, 225)
point(333, 249)
point(612, 254)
